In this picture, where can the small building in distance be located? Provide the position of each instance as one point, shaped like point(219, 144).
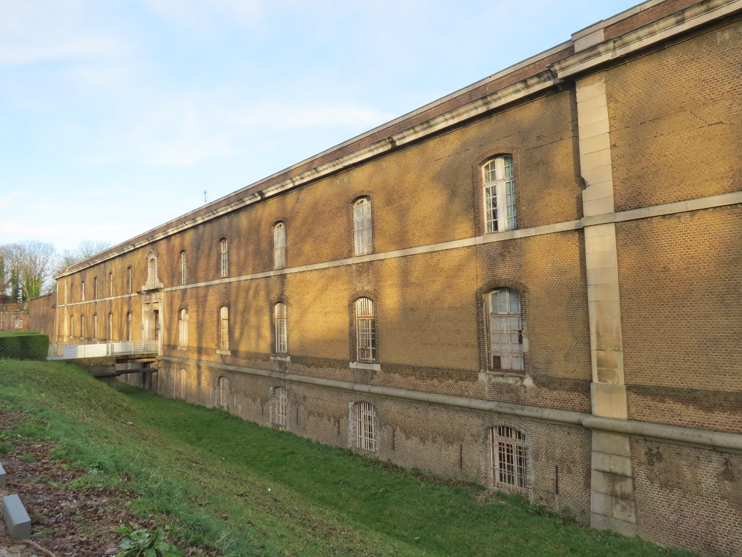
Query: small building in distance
point(13, 317)
point(533, 283)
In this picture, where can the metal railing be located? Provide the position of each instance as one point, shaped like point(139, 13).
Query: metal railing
point(101, 350)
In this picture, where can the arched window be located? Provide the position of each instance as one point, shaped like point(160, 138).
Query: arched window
point(128, 326)
point(110, 284)
point(95, 288)
point(224, 328)
point(509, 457)
point(362, 227)
point(279, 407)
point(366, 426)
point(279, 246)
point(279, 318)
point(499, 194)
point(110, 326)
point(365, 330)
point(95, 326)
point(224, 250)
point(82, 327)
point(222, 393)
point(183, 276)
point(183, 328)
point(505, 330)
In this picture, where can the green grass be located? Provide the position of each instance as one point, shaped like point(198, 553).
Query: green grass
point(18, 334)
point(211, 473)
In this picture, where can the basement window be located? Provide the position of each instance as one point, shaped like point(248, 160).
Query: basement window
point(279, 407)
point(509, 458)
point(366, 426)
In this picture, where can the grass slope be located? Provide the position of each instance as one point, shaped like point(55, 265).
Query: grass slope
point(249, 490)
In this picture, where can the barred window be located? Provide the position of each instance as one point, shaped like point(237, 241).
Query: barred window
point(224, 249)
point(499, 194)
point(183, 267)
point(110, 326)
point(110, 284)
point(366, 426)
point(362, 227)
point(95, 326)
point(505, 330)
point(128, 326)
point(365, 330)
point(279, 403)
point(279, 317)
point(183, 327)
point(95, 288)
point(128, 280)
point(222, 393)
point(279, 246)
point(224, 328)
point(509, 455)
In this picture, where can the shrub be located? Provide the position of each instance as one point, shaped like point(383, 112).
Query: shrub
point(27, 346)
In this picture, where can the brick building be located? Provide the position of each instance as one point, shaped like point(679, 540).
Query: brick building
point(13, 317)
point(533, 283)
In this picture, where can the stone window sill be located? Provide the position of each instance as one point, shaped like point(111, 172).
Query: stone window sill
point(362, 365)
point(281, 357)
point(509, 377)
point(224, 352)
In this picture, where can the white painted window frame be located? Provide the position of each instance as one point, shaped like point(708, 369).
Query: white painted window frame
point(224, 328)
point(279, 407)
point(505, 330)
point(367, 426)
point(509, 458)
point(362, 227)
point(366, 341)
point(183, 275)
point(280, 318)
point(183, 328)
point(224, 249)
point(279, 246)
point(499, 193)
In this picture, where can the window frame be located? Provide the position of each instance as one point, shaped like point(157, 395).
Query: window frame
point(498, 194)
point(95, 326)
point(505, 333)
point(129, 280)
point(128, 326)
point(366, 420)
point(110, 284)
point(280, 329)
point(224, 258)
point(365, 328)
point(279, 407)
point(183, 328)
point(509, 458)
point(82, 290)
point(95, 288)
point(363, 235)
point(279, 245)
point(110, 326)
point(223, 330)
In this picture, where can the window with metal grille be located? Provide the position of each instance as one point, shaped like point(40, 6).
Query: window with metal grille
point(182, 267)
point(279, 407)
point(365, 330)
point(110, 326)
point(509, 455)
point(128, 280)
point(95, 326)
point(110, 284)
point(128, 326)
point(279, 246)
point(222, 393)
point(224, 328)
point(95, 288)
point(366, 426)
point(183, 327)
point(279, 316)
point(505, 330)
point(362, 227)
point(499, 194)
point(224, 257)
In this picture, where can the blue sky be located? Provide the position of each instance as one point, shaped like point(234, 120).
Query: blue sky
point(115, 116)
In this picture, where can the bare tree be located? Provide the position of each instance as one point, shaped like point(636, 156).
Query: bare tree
point(30, 264)
point(85, 250)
